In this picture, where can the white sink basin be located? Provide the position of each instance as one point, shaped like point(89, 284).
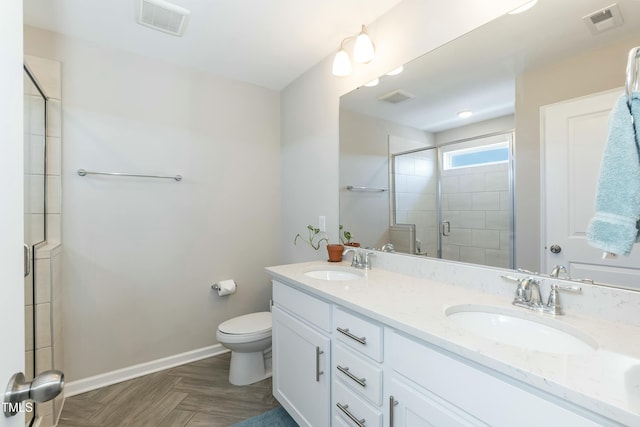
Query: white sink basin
point(521, 329)
point(334, 274)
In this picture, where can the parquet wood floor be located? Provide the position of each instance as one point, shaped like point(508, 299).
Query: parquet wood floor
point(194, 395)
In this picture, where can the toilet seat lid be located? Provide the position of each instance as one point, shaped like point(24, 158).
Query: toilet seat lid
point(248, 324)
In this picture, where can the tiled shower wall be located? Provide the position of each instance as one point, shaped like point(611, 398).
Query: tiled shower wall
point(47, 270)
point(476, 202)
point(416, 199)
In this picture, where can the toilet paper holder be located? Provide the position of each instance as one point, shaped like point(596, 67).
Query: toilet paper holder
point(216, 286)
point(225, 287)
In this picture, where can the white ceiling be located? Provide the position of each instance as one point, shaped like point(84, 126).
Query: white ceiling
point(478, 71)
point(267, 43)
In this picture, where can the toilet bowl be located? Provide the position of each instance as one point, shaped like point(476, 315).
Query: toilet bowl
point(249, 339)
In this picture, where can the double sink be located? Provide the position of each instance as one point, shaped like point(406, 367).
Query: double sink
point(506, 325)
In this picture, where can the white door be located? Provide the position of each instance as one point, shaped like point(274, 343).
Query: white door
point(573, 140)
point(11, 204)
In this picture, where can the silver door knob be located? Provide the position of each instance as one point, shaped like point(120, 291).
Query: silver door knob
point(43, 388)
point(555, 249)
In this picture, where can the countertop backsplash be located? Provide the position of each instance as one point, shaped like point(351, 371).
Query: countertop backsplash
point(595, 300)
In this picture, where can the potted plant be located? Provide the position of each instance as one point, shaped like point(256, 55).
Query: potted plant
point(333, 249)
point(345, 238)
point(313, 234)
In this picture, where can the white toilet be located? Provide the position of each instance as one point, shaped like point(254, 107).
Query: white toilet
point(249, 339)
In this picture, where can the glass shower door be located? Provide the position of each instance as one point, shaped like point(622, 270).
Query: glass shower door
point(34, 207)
point(476, 199)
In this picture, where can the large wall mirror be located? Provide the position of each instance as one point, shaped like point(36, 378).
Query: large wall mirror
point(418, 173)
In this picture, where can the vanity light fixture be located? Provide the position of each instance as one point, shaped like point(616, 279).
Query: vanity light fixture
point(465, 114)
point(373, 83)
point(524, 7)
point(396, 71)
point(364, 52)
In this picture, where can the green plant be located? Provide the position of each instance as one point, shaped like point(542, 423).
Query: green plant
point(345, 236)
point(313, 234)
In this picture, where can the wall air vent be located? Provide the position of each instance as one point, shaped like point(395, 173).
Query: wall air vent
point(396, 96)
point(162, 16)
point(604, 19)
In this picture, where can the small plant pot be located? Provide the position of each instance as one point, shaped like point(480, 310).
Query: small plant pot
point(354, 244)
point(335, 252)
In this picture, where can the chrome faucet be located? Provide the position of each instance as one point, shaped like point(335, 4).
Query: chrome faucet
point(388, 247)
point(557, 270)
point(528, 295)
point(361, 258)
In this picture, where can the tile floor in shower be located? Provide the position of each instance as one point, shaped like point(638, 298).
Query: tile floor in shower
point(193, 395)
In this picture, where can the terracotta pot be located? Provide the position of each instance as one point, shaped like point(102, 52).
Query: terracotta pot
point(335, 252)
point(354, 244)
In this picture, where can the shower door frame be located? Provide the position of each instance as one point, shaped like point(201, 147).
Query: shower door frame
point(31, 246)
point(510, 134)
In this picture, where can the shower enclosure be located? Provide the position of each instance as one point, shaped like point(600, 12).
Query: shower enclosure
point(455, 201)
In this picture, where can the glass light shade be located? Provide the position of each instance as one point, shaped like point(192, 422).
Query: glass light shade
point(396, 71)
point(524, 7)
point(373, 83)
point(341, 64)
point(363, 51)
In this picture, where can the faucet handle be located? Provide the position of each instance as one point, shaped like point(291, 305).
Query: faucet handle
point(553, 303)
point(366, 259)
point(572, 289)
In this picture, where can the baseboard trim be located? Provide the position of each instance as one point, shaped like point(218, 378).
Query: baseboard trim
point(91, 383)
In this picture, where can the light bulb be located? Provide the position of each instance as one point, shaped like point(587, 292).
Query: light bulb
point(363, 51)
point(341, 64)
point(373, 83)
point(524, 7)
point(465, 114)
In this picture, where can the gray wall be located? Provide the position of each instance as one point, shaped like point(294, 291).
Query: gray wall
point(571, 78)
point(310, 107)
point(140, 255)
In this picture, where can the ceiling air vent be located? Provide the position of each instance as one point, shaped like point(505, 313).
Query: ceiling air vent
point(604, 19)
point(162, 16)
point(396, 96)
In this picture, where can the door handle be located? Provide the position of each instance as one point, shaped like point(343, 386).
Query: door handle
point(43, 388)
point(27, 260)
point(446, 228)
point(318, 371)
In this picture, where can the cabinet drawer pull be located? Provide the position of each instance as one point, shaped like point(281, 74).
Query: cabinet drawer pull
point(361, 381)
point(392, 403)
point(361, 340)
point(318, 371)
point(345, 408)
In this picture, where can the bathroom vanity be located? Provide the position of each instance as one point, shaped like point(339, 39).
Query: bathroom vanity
point(402, 346)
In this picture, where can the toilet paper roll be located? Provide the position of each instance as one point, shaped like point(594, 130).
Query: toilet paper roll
point(225, 287)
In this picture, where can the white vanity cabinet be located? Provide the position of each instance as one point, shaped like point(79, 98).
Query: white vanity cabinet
point(334, 366)
point(301, 355)
point(433, 387)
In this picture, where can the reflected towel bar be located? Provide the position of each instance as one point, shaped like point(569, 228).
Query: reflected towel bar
point(367, 189)
point(83, 172)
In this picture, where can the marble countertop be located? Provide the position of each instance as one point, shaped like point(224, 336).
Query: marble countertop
point(606, 381)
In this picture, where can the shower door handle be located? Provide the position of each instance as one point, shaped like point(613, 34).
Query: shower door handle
point(27, 260)
point(446, 228)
